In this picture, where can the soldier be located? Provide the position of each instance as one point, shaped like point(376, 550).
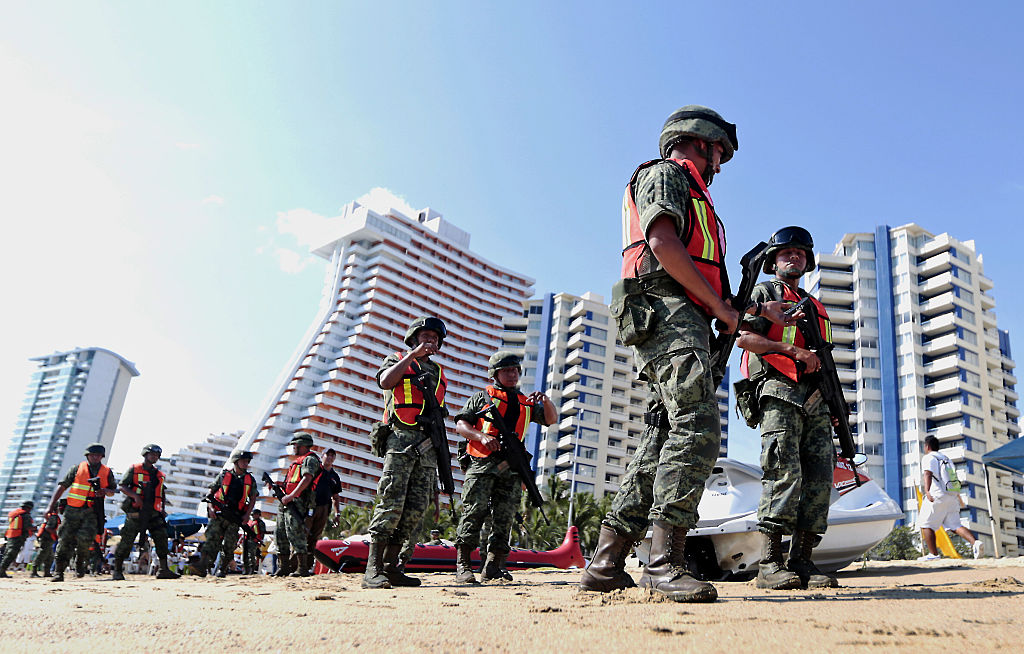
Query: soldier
point(230, 502)
point(326, 496)
point(46, 538)
point(673, 285)
point(19, 526)
point(407, 481)
point(143, 506)
point(292, 533)
point(491, 488)
point(797, 454)
point(89, 482)
point(253, 543)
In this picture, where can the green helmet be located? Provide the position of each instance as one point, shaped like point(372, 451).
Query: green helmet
point(301, 438)
point(152, 448)
point(789, 237)
point(695, 121)
point(235, 456)
point(28, 506)
point(96, 448)
point(503, 359)
point(426, 322)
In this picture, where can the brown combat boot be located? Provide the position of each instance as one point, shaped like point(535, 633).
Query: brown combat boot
point(165, 571)
point(3, 574)
point(118, 574)
point(199, 565)
point(302, 566)
point(34, 573)
point(287, 566)
point(393, 569)
point(374, 576)
point(492, 568)
point(607, 570)
point(464, 565)
point(800, 562)
point(771, 572)
point(666, 572)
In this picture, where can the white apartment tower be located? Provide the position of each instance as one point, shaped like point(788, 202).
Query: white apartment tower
point(74, 398)
point(571, 352)
point(386, 269)
point(920, 353)
point(192, 469)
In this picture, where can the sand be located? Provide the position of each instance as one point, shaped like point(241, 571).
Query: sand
point(964, 606)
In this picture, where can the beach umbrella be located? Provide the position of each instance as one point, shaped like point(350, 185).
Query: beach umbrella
point(1009, 457)
point(185, 524)
point(114, 524)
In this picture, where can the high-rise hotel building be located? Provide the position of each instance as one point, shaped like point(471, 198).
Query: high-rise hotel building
point(571, 352)
point(74, 398)
point(920, 353)
point(386, 269)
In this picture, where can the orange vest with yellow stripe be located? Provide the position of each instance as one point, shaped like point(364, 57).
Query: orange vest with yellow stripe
point(791, 334)
point(81, 493)
point(294, 475)
point(406, 402)
point(221, 494)
point(140, 479)
point(500, 399)
point(49, 531)
point(16, 523)
point(704, 238)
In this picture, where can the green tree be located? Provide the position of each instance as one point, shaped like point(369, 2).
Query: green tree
point(902, 543)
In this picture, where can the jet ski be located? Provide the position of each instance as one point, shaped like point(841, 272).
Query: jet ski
point(350, 556)
point(726, 545)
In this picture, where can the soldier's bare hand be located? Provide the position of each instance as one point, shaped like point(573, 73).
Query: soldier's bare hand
point(537, 398)
point(424, 350)
point(491, 443)
point(728, 318)
point(810, 360)
point(775, 311)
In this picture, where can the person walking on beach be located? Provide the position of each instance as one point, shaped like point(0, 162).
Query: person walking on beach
point(292, 533)
point(232, 496)
point(19, 526)
point(940, 506)
point(253, 543)
point(46, 539)
point(143, 486)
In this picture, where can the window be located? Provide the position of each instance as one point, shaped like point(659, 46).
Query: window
point(967, 356)
point(967, 336)
point(873, 383)
point(584, 470)
point(594, 348)
point(965, 314)
point(866, 246)
point(590, 416)
point(908, 403)
point(586, 452)
point(590, 364)
point(869, 362)
point(908, 425)
point(872, 405)
point(588, 434)
point(970, 378)
point(595, 332)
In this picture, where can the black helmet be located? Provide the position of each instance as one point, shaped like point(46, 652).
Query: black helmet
point(301, 438)
point(235, 456)
point(152, 448)
point(503, 359)
point(790, 237)
point(695, 121)
point(28, 506)
point(426, 322)
point(96, 448)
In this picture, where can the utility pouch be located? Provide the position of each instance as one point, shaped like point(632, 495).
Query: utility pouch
point(813, 401)
point(463, 457)
point(632, 312)
point(747, 405)
point(379, 434)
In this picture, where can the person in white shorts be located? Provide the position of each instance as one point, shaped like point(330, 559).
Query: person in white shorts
point(941, 504)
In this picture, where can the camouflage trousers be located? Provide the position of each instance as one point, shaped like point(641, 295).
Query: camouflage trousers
point(44, 559)
point(77, 533)
point(492, 491)
point(133, 525)
point(221, 537)
point(14, 546)
point(405, 489)
point(665, 479)
point(251, 558)
point(292, 534)
point(798, 460)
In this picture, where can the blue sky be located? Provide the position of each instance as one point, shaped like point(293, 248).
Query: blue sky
point(158, 159)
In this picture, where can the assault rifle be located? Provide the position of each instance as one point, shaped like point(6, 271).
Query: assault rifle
point(97, 505)
point(721, 344)
point(827, 384)
point(432, 422)
point(221, 507)
point(515, 456)
point(147, 508)
point(278, 492)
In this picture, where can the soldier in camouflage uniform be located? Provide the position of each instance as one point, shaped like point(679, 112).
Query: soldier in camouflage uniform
point(89, 482)
point(143, 486)
point(230, 502)
point(797, 454)
point(18, 529)
point(491, 488)
point(46, 539)
point(673, 286)
point(292, 533)
point(407, 481)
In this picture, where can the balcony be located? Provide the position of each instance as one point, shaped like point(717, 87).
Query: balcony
point(945, 410)
point(944, 387)
point(938, 346)
point(935, 265)
point(572, 374)
point(938, 324)
point(831, 276)
point(939, 304)
point(935, 285)
point(947, 432)
point(984, 283)
point(835, 296)
point(942, 366)
point(571, 391)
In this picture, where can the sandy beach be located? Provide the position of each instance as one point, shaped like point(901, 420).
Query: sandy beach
point(969, 606)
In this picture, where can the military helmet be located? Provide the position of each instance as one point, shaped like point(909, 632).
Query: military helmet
point(301, 438)
point(503, 359)
point(789, 237)
point(695, 121)
point(256, 512)
point(152, 448)
point(425, 322)
point(96, 448)
point(28, 505)
point(235, 456)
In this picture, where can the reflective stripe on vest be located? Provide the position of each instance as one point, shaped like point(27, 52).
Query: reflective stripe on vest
point(221, 494)
point(484, 425)
point(16, 523)
point(791, 335)
point(406, 402)
point(704, 240)
point(81, 493)
point(140, 479)
point(43, 529)
point(294, 476)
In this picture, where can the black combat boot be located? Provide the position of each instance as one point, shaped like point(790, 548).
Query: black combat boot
point(491, 570)
point(58, 572)
point(3, 574)
point(666, 571)
point(288, 566)
point(302, 566)
point(607, 570)
point(118, 574)
point(464, 565)
point(393, 570)
point(199, 565)
point(800, 562)
point(374, 576)
point(165, 570)
point(35, 573)
point(771, 572)
point(46, 572)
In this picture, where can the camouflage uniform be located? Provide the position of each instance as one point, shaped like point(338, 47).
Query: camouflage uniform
point(78, 529)
point(251, 553)
point(222, 531)
point(134, 522)
point(44, 560)
point(292, 535)
point(797, 454)
point(13, 549)
point(665, 479)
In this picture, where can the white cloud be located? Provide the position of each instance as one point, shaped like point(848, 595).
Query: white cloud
point(383, 201)
point(214, 199)
point(309, 229)
point(290, 261)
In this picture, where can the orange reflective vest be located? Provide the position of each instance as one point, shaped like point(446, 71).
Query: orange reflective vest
point(221, 494)
point(81, 493)
point(406, 401)
point(792, 335)
point(704, 237)
point(16, 523)
point(259, 528)
point(500, 398)
point(294, 475)
point(140, 479)
point(49, 531)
